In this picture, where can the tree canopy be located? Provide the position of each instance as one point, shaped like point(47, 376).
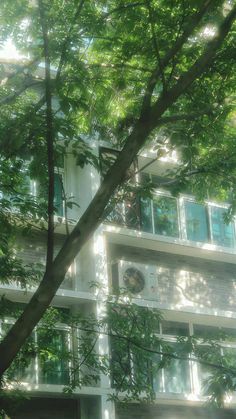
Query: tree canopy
point(135, 74)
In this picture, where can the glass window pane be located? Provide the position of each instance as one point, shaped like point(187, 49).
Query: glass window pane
point(175, 328)
point(157, 373)
point(159, 181)
point(116, 215)
point(165, 216)
point(120, 361)
point(230, 356)
point(23, 368)
point(222, 234)
point(196, 222)
point(141, 369)
point(157, 382)
point(229, 334)
point(144, 178)
point(132, 212)
point(54, 368)
point(210, 354)
point(206, 332)
point(204, 371)
point(177, 375)
point(146, 215)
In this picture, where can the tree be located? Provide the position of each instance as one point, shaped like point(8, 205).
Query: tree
point(125, 72)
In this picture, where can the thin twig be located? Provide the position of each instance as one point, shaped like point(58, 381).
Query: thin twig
point(66, 42)
point(173, 51)
point(155, 44)
point(65, 200)
point(123, 8)
point(119, 65)
point(162, 353)
point(49, 138)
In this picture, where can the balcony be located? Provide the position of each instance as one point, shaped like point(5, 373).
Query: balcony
point(180, 219)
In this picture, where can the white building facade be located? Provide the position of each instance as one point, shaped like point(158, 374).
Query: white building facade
point(187, 256)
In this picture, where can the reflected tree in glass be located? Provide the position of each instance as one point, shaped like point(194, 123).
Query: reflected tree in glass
point(177, 375)
point(53, 357)
point(165, 216)
point(222, 233)
point(146, 215)
point(196, 222)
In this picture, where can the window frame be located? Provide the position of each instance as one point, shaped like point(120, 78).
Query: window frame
point(195, 381)
point(172, 339)
point(34, 185)
point(36, 359)
point(181, 219)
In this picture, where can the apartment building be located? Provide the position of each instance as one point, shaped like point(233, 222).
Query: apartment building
point(185, 255)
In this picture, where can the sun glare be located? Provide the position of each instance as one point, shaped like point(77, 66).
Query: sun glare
point(9, 52)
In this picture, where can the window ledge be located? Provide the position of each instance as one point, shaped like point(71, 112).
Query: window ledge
point(123, 235)
point(63, 297)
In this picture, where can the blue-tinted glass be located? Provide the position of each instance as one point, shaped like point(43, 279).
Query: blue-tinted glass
point(165, 216)
point(146, 215)
point(196, 222)
point(222, 234)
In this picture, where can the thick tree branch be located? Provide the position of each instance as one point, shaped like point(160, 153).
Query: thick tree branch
point(20, 69)
point(10, 98)
point(94, 213)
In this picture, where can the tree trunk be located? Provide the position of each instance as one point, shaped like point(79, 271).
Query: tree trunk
point(90, 220)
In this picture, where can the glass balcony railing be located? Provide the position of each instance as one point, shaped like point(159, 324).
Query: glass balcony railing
point(176, 217)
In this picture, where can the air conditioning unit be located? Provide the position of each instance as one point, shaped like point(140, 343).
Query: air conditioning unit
point(139, 279)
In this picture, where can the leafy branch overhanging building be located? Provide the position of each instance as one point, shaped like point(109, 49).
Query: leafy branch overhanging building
point(186, 255)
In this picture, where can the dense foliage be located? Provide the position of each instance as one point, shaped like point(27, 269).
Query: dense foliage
point(156, 73)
